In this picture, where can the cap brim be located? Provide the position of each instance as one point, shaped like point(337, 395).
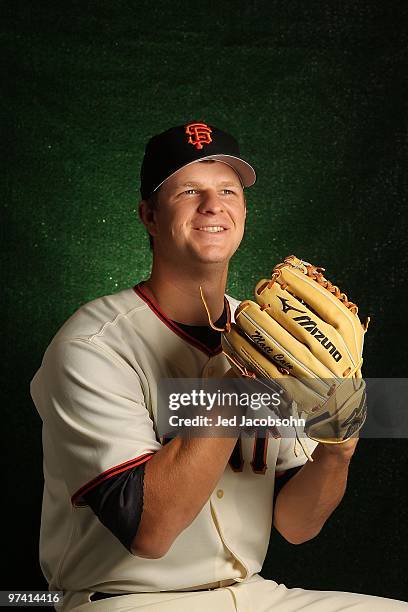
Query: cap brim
point(241, 167)
point(244, 170)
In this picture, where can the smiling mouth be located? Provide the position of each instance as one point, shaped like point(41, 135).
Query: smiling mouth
point(212, 229)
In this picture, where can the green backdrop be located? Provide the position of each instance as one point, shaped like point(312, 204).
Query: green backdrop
point(316, 94)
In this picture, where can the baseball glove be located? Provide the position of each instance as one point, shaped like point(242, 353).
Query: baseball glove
point(303, 334)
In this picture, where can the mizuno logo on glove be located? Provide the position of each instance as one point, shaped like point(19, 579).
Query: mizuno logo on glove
point(286, 306)
point(311, 327)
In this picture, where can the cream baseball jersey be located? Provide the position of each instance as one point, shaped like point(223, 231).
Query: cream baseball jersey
point(96, 393)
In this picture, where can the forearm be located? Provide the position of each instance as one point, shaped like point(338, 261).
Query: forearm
point(178, 481)
point(309, 498)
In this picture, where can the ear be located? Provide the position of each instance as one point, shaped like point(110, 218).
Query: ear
point(147, 217)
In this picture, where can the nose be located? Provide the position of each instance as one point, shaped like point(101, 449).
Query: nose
point(210, 202)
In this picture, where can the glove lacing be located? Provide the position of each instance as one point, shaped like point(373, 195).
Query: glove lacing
point(316, 273)
point(227, 327)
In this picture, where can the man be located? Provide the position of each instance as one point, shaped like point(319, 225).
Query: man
point(131, 523)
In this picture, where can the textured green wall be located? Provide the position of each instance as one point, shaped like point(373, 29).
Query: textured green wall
point(316, 94)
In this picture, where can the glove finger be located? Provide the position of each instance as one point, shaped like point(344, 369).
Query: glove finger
point(328, 307)
point(245, 352)
point(322, 339)
point(278, 344)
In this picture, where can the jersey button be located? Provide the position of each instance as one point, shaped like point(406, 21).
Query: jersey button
point(220, 493)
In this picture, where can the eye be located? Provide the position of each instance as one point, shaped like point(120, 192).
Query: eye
point(190, 191)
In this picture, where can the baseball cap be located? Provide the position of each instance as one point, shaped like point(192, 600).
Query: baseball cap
point(168, 152)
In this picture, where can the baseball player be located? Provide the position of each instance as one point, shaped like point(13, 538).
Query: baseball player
point(130, 522)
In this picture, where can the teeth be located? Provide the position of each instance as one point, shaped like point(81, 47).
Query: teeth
point(215, 228)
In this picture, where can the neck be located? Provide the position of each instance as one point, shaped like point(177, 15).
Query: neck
point(177, 291)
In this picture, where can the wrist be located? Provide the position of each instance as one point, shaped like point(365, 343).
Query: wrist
point(336, 454)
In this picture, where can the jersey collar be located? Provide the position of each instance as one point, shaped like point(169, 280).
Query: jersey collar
point(138, 289)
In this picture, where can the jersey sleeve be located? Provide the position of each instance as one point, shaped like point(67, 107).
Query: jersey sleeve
point(118, 503)
point(287, 459)
point(94, 414)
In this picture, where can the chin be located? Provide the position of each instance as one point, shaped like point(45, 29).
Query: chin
point(213, 256)
point(214, 260)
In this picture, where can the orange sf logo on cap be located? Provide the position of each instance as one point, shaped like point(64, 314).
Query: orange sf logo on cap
point(199, 134)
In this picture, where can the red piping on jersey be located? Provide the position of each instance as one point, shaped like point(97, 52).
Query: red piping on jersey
point(175, 328)
point(265, 451)
point(117, 469)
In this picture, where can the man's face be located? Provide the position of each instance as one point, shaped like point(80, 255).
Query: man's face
point(200, 215)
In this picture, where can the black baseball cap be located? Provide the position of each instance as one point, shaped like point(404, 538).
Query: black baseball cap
point(168, 152)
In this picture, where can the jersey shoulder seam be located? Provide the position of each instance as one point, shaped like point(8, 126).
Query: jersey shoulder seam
point(100, 347)
point(115, 320)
